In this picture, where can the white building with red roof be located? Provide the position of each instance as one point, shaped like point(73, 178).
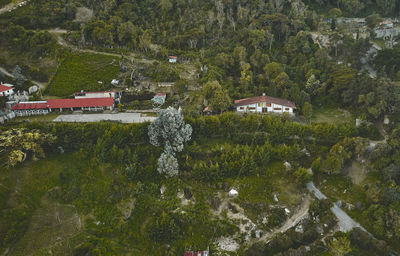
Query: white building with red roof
point(6, 90)
point(264, 104)
point(58, 105)
point(172, 59)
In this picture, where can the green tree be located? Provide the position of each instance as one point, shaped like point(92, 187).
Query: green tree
point(216, 98)
point(272, 70)
point(307, 111)
point(302, 175)
point(17, 144)
point(339, 246)
point(386, 6)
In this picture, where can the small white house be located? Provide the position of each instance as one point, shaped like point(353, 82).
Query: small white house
point(172, 59)
point(6, 90)
point(264, 104)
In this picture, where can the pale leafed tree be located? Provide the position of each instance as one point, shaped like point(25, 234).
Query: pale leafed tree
point(170, 131)
point(168, 164)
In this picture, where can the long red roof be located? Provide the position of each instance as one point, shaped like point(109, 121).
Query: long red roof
point(29, 105)
point(267, 99)
point(4, 88)
point(80, 103)
point(66, 103)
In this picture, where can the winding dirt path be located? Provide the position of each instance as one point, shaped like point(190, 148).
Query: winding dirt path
point(298, 216)
point(40, 84)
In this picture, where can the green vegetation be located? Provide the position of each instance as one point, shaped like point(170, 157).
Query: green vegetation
point(84, 71)
point(331, 115)
point(98, 190)
point(4, 2)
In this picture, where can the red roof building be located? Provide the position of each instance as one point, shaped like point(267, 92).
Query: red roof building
point(6, 90)
point(30, 105)
point(44, 107)
point(80, 103)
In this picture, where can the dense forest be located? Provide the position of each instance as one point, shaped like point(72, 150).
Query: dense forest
point(249, 47)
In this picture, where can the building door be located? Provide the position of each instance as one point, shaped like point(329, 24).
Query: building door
point(264, 110)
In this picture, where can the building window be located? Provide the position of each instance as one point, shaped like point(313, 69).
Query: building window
point(287, 109)
point(260, 104)
point(277, 108)
point(268, 104)
point(251, 108)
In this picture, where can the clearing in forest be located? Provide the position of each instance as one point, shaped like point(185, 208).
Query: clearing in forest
point(83, 71)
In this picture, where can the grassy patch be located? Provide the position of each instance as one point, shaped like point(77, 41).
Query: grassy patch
point(39, 118)
point(89, 72)
point(331, 115)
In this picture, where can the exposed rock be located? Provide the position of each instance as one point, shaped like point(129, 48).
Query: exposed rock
point(287, 165)
point(233, 192)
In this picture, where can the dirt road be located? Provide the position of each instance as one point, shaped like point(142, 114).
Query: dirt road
point(41, 85)
point(345, 222)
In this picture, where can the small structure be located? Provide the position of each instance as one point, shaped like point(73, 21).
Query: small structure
point(287, 165)
point(386, 24)
point(265, 104)
point(207, 111)
point(115, 82)
point(198, 253)
point(233, 192)
point(159, 99)
point(358, 122)
point(172, 59)
point(6, 90)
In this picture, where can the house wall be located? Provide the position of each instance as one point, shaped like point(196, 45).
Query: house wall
point(31, 112)
point(8, 92)
point(98, 95)
point(257, 108)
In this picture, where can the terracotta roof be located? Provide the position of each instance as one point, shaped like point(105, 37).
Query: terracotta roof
point(267, 99)
point(30, 105)
point(172, 57)
point(65, 103)
point(4, 88)
point(160, 94)
point(78, 103)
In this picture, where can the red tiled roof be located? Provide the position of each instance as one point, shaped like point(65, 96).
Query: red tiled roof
point(66, 103)
point(267, 99)
point(172, 57)
point(29, 105)
point(161, 94)
point(79, 103)
point(4, 88)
